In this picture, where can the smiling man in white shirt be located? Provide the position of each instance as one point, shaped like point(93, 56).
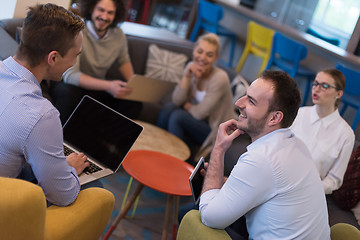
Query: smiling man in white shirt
point(275, 184)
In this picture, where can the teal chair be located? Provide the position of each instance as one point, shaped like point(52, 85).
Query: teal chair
point(287, 54)
point(351, 96)
point(208, 17)
point(333, 41)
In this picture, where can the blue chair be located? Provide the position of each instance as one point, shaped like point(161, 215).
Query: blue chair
point(351, 96)
point(208, 17)
point(286, 54)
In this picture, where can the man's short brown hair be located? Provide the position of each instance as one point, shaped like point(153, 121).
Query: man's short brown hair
point(46, 28)
point(286, 95)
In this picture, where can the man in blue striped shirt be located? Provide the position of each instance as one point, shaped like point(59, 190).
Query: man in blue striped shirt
point(30, 129)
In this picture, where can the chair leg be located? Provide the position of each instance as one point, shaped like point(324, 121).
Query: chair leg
point(169, 203)
point(125, 198)
point(123, 213)
point(242, 59)
point(343, 108)
point(232, 50)
point(194, 32)
point(306, 92)
point(263, 65)
point(175, 217)
point(356, 120)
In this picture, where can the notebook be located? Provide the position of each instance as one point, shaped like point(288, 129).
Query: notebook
point(102, 134)
point(145, 89)
point(196, 180)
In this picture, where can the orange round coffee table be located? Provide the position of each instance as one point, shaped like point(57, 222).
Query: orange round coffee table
point(161, 172)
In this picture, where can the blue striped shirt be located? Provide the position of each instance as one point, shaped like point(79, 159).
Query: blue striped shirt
point(31, 132)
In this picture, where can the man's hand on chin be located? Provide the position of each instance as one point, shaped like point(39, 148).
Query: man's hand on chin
point(227, 132)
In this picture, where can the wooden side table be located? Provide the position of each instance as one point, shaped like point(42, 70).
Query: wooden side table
point(157, 139)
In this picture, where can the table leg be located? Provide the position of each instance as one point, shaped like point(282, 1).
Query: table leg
point(175, 221)
point(123, 213)
point(167, 216)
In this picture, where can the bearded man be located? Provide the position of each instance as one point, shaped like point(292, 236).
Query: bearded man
point(104, 44)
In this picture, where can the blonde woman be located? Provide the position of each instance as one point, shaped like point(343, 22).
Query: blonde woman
point(202, 99)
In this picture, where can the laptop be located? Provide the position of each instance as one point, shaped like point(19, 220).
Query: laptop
point(102, 134)
point(145, 89)
point(196, 180)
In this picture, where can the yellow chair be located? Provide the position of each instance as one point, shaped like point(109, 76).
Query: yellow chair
point(191, 228)
point(23, 213)
point(344, 231)
point(258, 42)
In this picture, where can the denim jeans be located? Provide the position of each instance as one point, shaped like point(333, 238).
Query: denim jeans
point(182, 124)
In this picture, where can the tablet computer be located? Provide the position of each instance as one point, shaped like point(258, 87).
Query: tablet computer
point(196, 180)
point(145, 89)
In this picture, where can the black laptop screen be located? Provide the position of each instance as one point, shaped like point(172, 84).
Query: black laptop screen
point(100, 132)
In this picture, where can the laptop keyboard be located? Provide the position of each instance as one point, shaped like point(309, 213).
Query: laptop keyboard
point(67, 151)
point(90, 169)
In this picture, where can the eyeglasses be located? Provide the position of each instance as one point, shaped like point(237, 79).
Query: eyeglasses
point(323, 86)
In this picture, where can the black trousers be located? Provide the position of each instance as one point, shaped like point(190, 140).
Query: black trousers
point(66, 97)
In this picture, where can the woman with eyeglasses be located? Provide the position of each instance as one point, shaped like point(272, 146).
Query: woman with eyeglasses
point(328, 136)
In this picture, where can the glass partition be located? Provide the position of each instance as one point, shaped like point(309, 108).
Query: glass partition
point(331, 20)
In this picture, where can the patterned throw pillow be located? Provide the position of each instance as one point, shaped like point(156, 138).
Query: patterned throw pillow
point(165, 65)
point(348, 195)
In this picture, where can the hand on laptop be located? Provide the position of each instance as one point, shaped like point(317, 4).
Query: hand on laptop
point(77, 161)
point(118, 89)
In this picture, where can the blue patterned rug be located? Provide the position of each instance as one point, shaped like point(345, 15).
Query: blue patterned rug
point(147, 223)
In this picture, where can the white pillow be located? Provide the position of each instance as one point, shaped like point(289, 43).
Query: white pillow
point(165, 65)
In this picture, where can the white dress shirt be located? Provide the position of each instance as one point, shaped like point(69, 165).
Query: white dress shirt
point(330, 141)
point(276, 186)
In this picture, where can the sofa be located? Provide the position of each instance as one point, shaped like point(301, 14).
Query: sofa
point(139, 39)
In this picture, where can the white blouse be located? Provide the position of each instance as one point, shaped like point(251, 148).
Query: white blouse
point(330, 141)
point(199, 95)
